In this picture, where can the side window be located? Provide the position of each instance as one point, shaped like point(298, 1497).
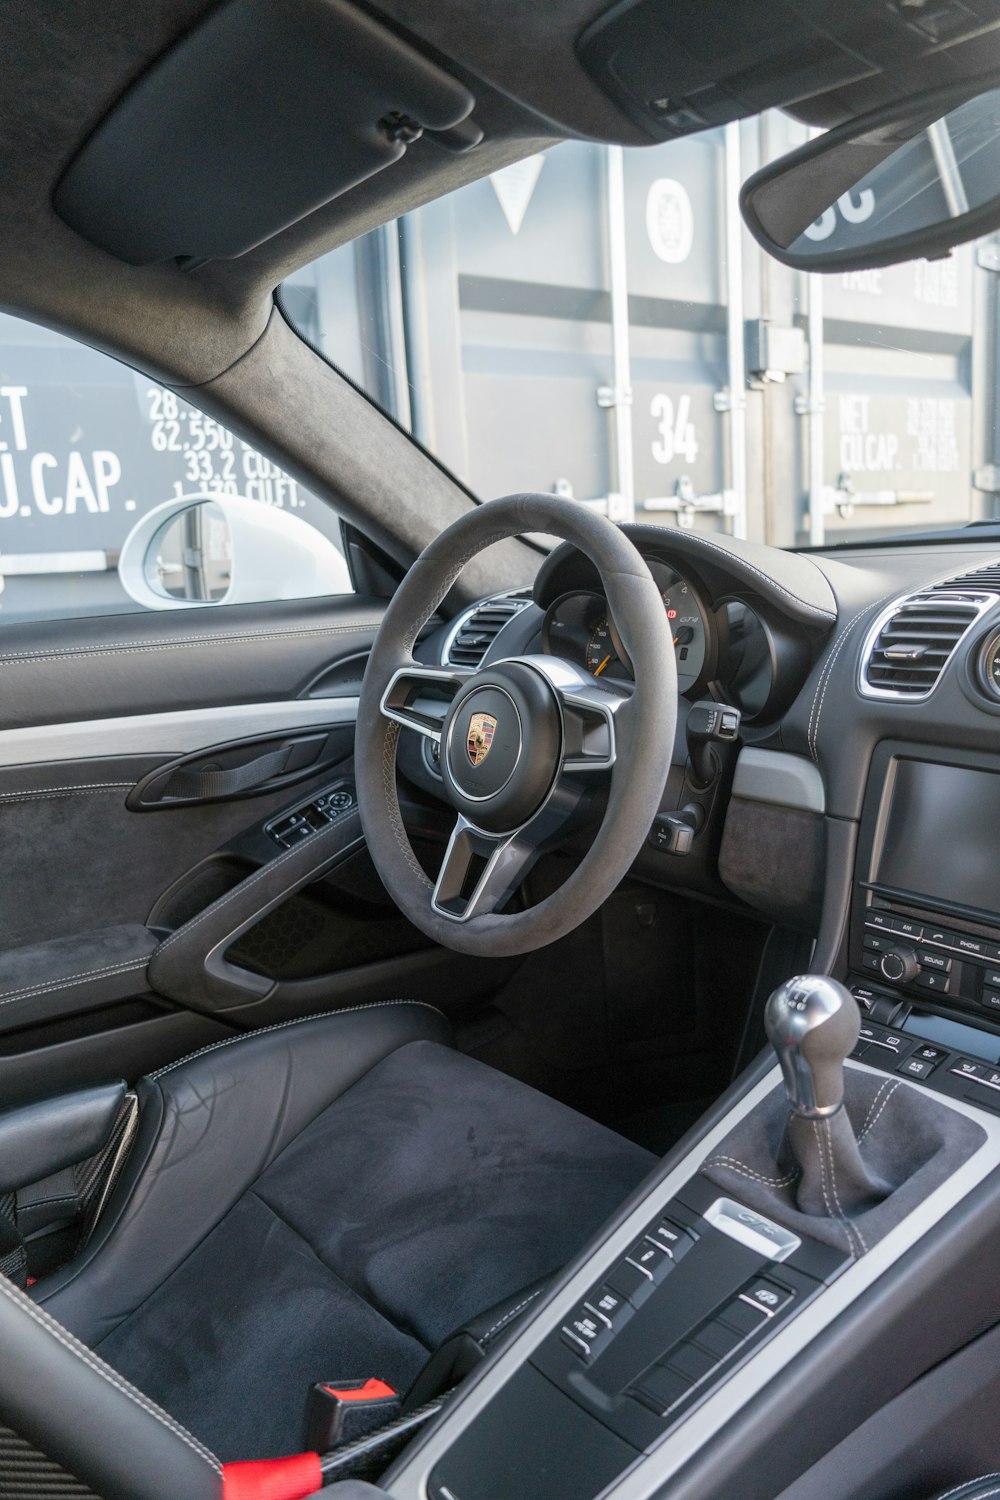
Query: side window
point(117, 495)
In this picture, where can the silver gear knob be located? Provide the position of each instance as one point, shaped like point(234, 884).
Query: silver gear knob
point(812, 1023)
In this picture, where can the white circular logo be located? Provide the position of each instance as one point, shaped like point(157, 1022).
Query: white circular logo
point(669, 220)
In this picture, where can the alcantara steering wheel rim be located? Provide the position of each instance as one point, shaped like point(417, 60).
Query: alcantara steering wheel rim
point(553, 729)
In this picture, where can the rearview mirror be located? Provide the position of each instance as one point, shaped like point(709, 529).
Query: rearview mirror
point(909, 181)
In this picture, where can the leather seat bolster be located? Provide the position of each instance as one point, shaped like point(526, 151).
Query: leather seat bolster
point(209, 1126)
point(99, 1428)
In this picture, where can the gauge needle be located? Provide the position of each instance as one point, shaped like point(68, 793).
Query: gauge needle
point(600, 669)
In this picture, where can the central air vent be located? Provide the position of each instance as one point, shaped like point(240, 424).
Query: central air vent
point(476, 630)
point(910, 644)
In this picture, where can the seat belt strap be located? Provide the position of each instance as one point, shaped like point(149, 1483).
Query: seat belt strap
point(13, 1256)
point(290, 1478)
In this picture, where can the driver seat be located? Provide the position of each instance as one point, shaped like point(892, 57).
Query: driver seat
point(323, 1199)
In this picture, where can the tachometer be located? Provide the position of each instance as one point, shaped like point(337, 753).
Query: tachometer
point(687, 626)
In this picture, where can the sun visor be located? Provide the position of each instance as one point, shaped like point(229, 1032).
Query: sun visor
point(265, 111)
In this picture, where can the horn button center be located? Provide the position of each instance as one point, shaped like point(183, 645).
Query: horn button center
point(502, 744)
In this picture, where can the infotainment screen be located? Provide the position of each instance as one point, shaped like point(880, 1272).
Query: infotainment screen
point(942, 834)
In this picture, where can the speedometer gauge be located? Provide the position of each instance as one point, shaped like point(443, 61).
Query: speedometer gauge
point(601, 655)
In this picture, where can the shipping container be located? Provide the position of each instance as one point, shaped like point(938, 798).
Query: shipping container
point(594, 322)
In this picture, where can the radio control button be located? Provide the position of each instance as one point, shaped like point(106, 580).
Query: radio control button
point(907, 928)
point(871, 962)
point(969, 945)
point(940, 983)
point(939, 962)
point(877, 942)
point(990, 1000)
point(899, 965)
point(992, 952)
point(991, 979)
point(878, 919)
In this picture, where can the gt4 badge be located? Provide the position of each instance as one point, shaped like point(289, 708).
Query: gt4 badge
point(482, 728)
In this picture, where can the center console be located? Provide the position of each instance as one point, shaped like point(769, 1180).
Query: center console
point(697, 1300)
point(924, 950)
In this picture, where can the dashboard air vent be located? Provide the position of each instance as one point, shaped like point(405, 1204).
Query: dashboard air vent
point(980, 578)
point(476, 630)
point(911, 644)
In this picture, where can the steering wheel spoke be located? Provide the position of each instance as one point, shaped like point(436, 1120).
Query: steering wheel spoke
point(480, 871)
point(589, 710)
point(419, 697)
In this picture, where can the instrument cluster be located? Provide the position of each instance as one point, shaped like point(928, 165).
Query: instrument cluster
point(729, 645)
point(579, 627)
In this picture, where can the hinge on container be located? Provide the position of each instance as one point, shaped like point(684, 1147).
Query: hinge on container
point(987, 476)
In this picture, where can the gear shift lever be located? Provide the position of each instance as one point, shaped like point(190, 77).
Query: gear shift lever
point(812, 1023)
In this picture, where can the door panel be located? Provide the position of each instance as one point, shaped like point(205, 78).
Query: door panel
point(88, 709)
point(62, 671)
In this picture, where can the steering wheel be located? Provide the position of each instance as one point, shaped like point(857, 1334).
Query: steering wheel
point(522, 741)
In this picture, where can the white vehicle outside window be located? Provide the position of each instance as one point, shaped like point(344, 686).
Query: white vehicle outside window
point(116, 494)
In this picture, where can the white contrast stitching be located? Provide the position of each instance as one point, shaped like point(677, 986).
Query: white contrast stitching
point(509, 1316)
point(826, 676)
point(63, 791)
point(95, 1363)
point(852, 1229)
point(830, 1211)
point(238, 890)
point(967, 1483)
point(873, 1106)
point(124, 967)
point(16, 658)
point(704, 541)
point(733, 1164)
point(392, 802)
point(248, 1036)
point(870, 1125)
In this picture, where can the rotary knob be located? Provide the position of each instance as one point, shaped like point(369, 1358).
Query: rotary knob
point(899, 965)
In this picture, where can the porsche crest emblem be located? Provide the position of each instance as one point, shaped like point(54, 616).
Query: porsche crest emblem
point(482, 728)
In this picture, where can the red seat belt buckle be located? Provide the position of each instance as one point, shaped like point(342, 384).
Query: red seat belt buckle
point(290, 1478)
point(339, 1411)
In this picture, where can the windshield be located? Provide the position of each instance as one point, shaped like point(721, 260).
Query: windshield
point(596, 322)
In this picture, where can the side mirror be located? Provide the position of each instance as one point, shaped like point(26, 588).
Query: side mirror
point(224, 549)
point(911, 180)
